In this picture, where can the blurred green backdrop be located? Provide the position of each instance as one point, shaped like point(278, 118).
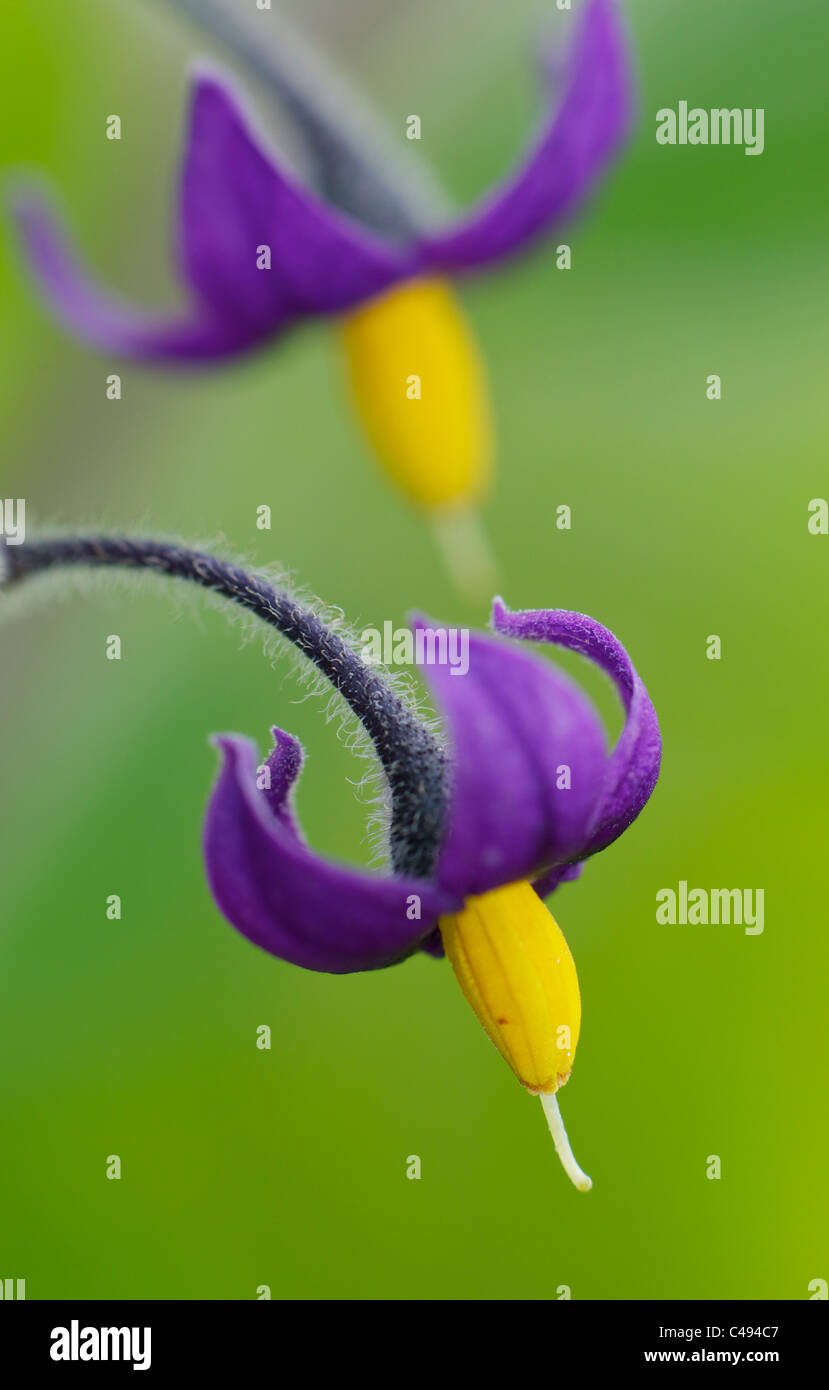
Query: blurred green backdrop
point(287, 1167)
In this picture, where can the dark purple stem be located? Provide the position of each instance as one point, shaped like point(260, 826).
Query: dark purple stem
point(411, 757)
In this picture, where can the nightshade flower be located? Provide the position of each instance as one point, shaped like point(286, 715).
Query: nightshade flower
point(480, 831)
point(259, 252)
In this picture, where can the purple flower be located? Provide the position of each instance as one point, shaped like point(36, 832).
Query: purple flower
point(530, 793)
point(478, 833)
point(533, 793)
point(235, 199)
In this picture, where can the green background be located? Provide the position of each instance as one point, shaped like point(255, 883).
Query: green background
point(288, 1168)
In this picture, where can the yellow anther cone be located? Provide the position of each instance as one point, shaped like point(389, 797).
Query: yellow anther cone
point(515, 969)
point(419, 385)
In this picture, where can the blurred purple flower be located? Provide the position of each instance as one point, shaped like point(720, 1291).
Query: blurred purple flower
point(234, 199)
point(514, 722)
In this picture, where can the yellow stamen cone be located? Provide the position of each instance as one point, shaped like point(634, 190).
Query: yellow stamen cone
point(421, 393)
point(515, 968)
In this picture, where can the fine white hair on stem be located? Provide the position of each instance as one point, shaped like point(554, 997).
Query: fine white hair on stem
point(66, 563)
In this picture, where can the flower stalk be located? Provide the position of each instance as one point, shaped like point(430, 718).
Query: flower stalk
point(411, 757)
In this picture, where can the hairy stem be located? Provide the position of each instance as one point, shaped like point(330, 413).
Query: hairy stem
point(411, 757)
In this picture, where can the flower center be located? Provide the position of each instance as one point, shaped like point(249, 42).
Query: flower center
point(515, 968)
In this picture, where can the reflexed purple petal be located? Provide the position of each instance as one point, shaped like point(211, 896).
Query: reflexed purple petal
point(515, 723)
point(433, 945)
point(235, 199)
point(284, 764)
point(576, 144)
point(563, 873)
point(634, 764)
point(288, 900)
point(99, 317)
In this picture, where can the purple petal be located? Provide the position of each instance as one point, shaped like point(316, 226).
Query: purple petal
point(284, 764)
point(577, 142)
point(235, 200)
point(634, 764)
point(101, 318)
point(562, 873)
point(288, 900)
point(515, 722)
point(433, 945)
